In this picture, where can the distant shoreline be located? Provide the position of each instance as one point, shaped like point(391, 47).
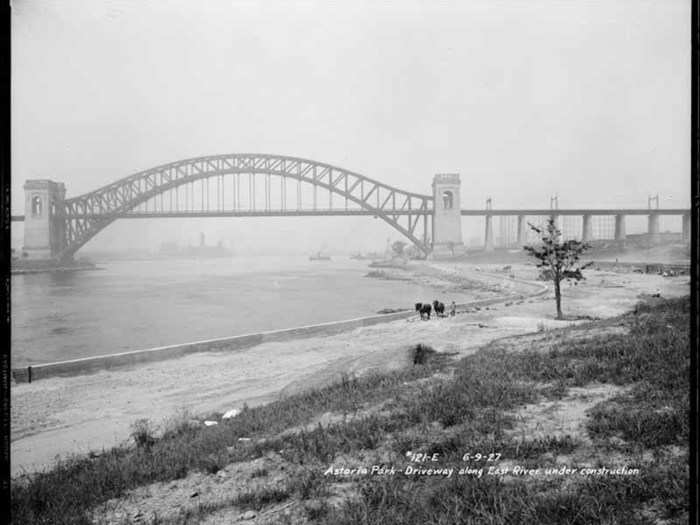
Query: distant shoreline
point(26, 268)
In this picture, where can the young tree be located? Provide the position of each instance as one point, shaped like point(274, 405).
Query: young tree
point(558, 259)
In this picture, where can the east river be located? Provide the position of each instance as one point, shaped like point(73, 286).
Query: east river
point(131, 305)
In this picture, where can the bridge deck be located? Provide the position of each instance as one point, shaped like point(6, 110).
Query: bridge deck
point(581, 211)
point(346, 213)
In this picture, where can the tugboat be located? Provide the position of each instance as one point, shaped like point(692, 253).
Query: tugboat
point(319, 257)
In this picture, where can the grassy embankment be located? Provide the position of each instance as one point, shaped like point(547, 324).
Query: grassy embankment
point(442, 406)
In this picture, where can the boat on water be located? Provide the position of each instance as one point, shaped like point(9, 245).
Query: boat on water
point(319, 257)
point(172, 249)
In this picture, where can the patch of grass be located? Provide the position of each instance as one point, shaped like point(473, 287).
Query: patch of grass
point(143, 433)
point(654, 352)
point(462, 499)
point(646, 424)
point(555, 390)
point(481, 381)
point(214, 462)
point(322, 444)
point(308, 484)
point(259, 473)
point(316, 510)
point(303, 485)
point(452, 448)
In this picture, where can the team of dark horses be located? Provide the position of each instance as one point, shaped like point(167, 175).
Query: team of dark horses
point(425, 309)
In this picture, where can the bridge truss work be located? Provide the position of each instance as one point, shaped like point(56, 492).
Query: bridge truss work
point(244, 185)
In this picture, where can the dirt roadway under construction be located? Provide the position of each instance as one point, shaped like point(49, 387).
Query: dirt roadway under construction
point(61, 416)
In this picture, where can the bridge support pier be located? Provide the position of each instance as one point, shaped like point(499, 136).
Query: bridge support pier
point(488, 235)
point(587, 233)
point(686, 227)
point(447, 216)
point(557, 222)
point(522, 231)
point(620, 232)
point(44, 229)
point(653, 228)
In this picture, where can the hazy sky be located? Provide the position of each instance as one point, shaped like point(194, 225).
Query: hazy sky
point(587, 99)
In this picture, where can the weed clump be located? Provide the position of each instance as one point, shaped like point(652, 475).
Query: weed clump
point(421, 354)
point(143, 433)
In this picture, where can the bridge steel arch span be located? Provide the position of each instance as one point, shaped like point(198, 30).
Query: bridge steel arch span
point(86, 215)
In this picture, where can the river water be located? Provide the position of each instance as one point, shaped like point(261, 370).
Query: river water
point(131, 305)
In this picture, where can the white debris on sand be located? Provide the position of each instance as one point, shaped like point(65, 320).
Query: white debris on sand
point(231, 413)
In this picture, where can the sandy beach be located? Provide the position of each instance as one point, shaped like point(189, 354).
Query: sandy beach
point(75, 415)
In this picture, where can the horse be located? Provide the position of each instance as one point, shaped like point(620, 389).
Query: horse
point(439, 308)
point(423, 309)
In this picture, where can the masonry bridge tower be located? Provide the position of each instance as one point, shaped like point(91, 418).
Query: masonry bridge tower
point(447, 215)
point(44, 224)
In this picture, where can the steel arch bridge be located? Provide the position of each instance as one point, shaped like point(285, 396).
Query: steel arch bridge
point(184, 189)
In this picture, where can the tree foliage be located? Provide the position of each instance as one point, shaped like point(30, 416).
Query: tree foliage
point(558, 259)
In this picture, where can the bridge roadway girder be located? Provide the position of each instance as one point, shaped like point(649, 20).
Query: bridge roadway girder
point(249, 213)
point(547, 212)
point(473, 213)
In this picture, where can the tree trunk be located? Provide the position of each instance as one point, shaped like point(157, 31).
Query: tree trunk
point(557, 296)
